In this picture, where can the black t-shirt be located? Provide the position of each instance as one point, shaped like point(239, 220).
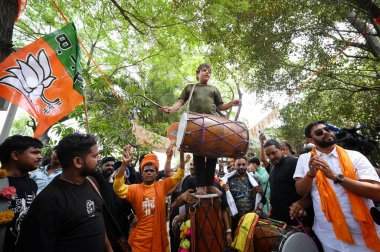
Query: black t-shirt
point(120, 209)
point(64, 217)
point(26, 190)
point(282, 189)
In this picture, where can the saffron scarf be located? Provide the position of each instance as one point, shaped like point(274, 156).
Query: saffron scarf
point(333, 212)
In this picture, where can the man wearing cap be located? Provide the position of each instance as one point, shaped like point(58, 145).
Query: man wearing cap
point(148, 202)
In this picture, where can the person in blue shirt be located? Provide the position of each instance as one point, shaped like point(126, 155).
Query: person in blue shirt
point(45, 174)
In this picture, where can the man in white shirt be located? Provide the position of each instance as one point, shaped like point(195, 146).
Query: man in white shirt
point(342, 184)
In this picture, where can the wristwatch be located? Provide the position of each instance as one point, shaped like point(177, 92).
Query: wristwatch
point(338, 179)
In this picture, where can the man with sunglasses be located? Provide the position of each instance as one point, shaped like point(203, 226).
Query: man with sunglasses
point(342, 184)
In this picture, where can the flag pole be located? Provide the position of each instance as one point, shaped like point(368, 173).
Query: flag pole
point(9, 11)
point(85, 114)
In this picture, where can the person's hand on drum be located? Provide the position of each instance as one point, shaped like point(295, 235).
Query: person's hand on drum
point(188, 197)
point(297, 211)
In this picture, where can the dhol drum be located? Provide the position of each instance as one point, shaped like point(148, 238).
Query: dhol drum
point(212, 136)
point(271, 236)
point(206, 224)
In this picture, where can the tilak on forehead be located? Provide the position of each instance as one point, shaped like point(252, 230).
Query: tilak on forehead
point(149, 159)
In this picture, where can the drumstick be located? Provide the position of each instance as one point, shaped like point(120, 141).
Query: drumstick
point(154, 103)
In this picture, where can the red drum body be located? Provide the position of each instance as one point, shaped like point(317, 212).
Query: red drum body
point(270, 236)
point(206, 224)
point(212, 136)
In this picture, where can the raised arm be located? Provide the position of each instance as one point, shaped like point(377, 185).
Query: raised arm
point(168, 164)
point(263, 157)
point(178, 175)
point(119, 186)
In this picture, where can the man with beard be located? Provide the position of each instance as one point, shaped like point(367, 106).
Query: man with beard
point(283, 195)
point(18, 156)
point(107, 164)
point(341, 183)
point(244, 189)
point(116, 211)
point(45, 174)
point(67, 214)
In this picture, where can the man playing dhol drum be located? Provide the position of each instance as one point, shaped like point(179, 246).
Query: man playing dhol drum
point(205, 99)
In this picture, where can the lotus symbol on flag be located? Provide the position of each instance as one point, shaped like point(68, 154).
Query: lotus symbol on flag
point(31, 77)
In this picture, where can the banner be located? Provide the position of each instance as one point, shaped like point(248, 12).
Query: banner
point(44, 78)
point(146, 137)
point(265, 122)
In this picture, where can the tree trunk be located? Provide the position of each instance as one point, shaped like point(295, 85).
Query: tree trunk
point(8, 13)
point(361, 26)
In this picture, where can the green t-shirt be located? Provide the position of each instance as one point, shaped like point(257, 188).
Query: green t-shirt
point(205, 98)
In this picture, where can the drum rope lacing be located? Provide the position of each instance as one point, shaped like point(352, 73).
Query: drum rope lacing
point(223, 138)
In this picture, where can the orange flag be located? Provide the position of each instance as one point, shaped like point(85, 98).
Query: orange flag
point(44, 78)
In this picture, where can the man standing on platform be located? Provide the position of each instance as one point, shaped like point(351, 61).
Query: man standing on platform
point(205, 99)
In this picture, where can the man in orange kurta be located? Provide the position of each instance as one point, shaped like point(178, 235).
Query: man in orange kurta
point(148, 202)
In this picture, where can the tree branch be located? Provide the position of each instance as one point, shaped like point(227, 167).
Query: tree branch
point(135, 63)
point(123, 13)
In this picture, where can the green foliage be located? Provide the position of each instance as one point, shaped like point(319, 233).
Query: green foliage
point(153, 47)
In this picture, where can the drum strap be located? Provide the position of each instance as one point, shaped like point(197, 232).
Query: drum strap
point(190, 96)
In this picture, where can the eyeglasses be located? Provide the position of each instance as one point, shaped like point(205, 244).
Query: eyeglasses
point(240, 165)
point(319, 132)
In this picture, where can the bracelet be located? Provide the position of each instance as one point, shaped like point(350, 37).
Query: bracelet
point(228, 230)
point(310, 176)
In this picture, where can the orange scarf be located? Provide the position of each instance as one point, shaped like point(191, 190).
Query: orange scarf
point(333, 212)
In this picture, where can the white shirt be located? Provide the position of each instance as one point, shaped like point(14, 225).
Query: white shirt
point(324, 229)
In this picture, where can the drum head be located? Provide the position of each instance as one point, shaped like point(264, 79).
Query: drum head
point(299, 242)
point(181, 130)
point(207, 196)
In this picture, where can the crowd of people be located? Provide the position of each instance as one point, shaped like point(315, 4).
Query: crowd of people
point(76, 201)
point(79, 202)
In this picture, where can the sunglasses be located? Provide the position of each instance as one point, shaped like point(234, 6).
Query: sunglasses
point(319, 132)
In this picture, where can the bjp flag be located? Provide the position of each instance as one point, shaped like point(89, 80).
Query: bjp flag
point(44, 78)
